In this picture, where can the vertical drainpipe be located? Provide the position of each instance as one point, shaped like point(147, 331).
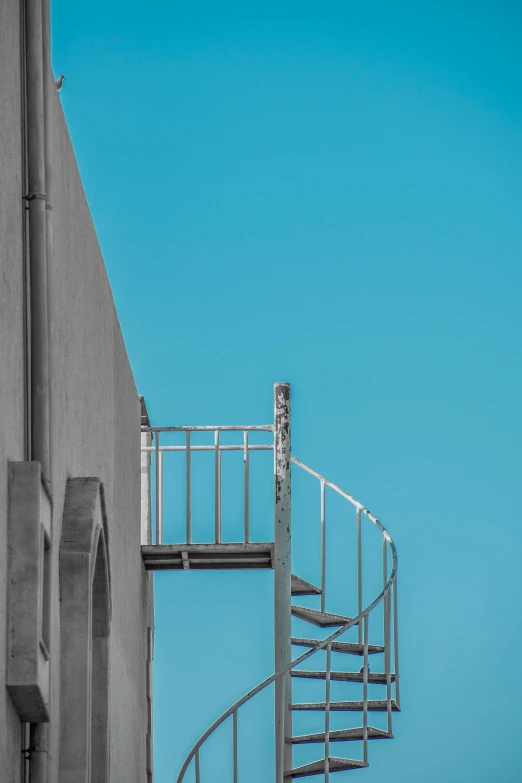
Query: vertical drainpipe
point(48, 86)
point(37, 57)
point(36, 198)
point(38, 753)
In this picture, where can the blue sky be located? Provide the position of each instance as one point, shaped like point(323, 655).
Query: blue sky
point(327, 193)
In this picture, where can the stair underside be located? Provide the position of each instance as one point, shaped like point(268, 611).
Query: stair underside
point(188, 557)
point(322, 619)
point(344, 647)
point(343, 735)
point(374, 705)
point(301, 587)
point(373, 677)
point(317, 767)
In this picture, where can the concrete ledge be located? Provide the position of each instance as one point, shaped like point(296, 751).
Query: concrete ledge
point(27, 602)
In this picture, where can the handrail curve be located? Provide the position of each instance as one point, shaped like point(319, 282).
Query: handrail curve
point(320, 644)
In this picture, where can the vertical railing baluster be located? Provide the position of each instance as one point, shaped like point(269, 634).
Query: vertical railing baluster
point(146, 486)
point(396, 642)
point(189, 491)
point(246, 462)
point(365, 689)
point(157, 452)
point(161, 455)
point(359, 573)
point(327, 714)
point(234, 723)
point(217, 492)
point(384, 580)
point(386, 607)
point(323, 546)
point(198, 779)
point(384, 573)
point(387, 664)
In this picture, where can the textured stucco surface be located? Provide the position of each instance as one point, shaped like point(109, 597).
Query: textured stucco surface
point(95, 418)
point(11, 336)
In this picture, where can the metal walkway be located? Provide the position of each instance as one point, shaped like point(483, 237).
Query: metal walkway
point(288, 590)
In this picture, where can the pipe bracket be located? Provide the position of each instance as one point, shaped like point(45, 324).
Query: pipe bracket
point(32, 196)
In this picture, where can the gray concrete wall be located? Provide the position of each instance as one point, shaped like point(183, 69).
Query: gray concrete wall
point(95, 418)
point(96, 432)
point(11, 336)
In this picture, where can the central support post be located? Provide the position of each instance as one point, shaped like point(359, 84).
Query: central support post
point(282, 578)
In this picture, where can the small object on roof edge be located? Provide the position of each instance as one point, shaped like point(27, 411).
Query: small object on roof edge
point(59, 82)
point(361, 671)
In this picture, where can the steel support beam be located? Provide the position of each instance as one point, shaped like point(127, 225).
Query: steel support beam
point(282, 578)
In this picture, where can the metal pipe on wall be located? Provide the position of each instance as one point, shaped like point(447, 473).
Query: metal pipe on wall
point(36, 200)
point(38, 753)
point(37, 65)
point(48, 87)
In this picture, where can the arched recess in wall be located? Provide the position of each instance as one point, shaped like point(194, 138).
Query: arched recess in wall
point(85, 609)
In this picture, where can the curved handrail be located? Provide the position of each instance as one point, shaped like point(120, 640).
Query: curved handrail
point(320, 644)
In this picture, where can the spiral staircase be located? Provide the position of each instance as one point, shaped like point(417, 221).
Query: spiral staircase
point(367, 633)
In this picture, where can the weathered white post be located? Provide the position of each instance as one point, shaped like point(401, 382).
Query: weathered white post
point(146, 440)
point(282, 577)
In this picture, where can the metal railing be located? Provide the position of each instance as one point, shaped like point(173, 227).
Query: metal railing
point(387, 596)
point(159, 450)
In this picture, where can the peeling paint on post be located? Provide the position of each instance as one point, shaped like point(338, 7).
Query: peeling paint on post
point(282, 577)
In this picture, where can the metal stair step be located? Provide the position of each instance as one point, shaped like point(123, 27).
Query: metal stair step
point(322, 619)
point(373, 677)
point(302, 587)
point(374, 705)
point(344, 647)
point(317, 767)
point(343, 735)
point(188, 557)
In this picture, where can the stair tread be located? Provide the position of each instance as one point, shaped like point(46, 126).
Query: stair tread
point(342, 735)
point(302, 587)
point(374, 705)
point(182, 557)
point(344, 647)
point(322, 619)
point(335, 765)
point(373, 677)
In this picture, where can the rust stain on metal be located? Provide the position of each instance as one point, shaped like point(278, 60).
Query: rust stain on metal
point(282, 444)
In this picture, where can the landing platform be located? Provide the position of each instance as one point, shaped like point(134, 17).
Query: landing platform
point(189, 557)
